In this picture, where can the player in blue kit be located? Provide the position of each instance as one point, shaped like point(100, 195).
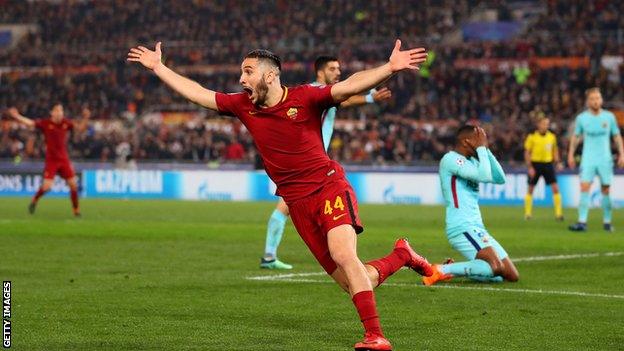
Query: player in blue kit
point(461, 171)
point(327, 70)
point(596, 127)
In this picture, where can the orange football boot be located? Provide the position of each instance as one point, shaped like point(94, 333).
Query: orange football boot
point(437, 276)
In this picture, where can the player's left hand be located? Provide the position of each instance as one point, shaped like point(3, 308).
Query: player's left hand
point(559, 166)
point(407, 59)
point(382, 94)
point(13, 112)
point(620, 161)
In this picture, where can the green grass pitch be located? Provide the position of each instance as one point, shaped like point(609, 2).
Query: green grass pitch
point(165, 275)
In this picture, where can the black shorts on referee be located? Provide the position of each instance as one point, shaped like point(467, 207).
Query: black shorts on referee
point(543, 169)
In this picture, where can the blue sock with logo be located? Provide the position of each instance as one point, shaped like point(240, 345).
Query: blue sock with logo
point(606, 208)
point(583, 209)
point(275, 230)
point(471, 269)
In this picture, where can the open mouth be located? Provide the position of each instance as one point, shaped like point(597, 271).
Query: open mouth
point(248, 91)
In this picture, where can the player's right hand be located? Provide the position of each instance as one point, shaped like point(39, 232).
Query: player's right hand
point(145, 56)
point(382, 94)
point(481, 137)
point(531, 172)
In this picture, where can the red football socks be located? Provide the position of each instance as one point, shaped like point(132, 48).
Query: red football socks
point(386, 266)
point(74, 198)
point(364, 302)
point(38, 195)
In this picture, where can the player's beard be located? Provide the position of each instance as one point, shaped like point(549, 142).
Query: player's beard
point(261, 89)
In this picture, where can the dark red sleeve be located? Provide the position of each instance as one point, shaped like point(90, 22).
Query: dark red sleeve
point(320, 95)
point(228, 104)
point(40, 124)
point(70, 124)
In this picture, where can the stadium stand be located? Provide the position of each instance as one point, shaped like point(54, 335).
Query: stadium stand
point(133, 116)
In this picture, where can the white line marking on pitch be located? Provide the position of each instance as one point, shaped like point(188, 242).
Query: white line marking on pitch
point(293, 278)
point(461, 287)
point(566, 257)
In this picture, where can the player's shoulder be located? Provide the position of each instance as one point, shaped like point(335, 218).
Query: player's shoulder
point(452, 158)
point(307, 87)
point(236, 95)
point(582, 114)
point(608, 114)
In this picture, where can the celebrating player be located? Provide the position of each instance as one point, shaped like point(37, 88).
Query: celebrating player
point(461, 171)
point(541, 154)
point(596, 126)
point(327, 70)
point(54, 130)
point(286, 126)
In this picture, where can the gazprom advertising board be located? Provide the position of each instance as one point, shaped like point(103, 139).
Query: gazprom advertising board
point(371, 187)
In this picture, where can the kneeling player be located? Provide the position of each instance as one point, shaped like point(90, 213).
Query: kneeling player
point(461, 171)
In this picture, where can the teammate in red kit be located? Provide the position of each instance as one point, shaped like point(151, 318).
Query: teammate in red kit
point(285, 123)
point(55, 131)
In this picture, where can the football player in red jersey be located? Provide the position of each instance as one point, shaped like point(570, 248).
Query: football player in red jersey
point(285, 123)
point(55, 132)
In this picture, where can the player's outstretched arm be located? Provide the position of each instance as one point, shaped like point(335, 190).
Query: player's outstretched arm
point(152, 59)
point(376, 96)
point(14, 113)
point(368, 79)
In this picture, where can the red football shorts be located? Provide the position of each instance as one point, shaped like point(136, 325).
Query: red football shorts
point(64, 168)
point(333, 205)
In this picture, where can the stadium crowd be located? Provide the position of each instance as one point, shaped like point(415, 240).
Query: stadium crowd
point(88, 73)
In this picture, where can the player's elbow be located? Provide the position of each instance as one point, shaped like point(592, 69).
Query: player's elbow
point(344, 90)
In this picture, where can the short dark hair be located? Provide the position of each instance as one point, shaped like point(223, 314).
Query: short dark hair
point(267, 56)
point(322, 61)
point(463, 130)
point(592, 90)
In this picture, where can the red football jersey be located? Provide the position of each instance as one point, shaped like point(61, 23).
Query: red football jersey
point(55, 135)
point(288, 137)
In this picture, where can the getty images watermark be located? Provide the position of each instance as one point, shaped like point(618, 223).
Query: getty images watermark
point(6, 314)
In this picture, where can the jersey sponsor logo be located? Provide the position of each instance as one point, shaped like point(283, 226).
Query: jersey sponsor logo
point(292, 113)
point(604, 125)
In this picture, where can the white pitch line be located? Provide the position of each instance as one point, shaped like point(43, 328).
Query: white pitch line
point(293, 278)
point(463, 287)
point(519, 259)
point(284, 276)
point(566, 257)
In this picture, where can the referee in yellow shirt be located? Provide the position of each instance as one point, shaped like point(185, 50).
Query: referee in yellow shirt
point(541, 154)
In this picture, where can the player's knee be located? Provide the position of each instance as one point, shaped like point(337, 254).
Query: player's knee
point(497, 267)
point(343, 257)
point(512, 276)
